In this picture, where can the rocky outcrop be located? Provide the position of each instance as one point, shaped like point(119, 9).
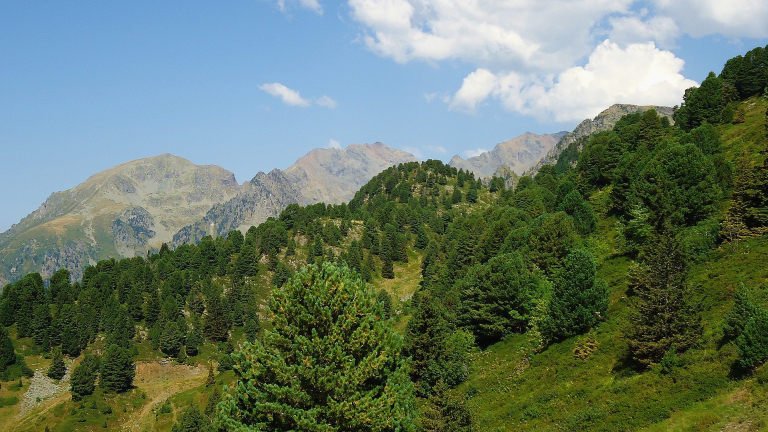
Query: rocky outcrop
point(518, 154)
point(323, 175)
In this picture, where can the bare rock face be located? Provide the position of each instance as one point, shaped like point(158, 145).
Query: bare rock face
point(326, 175)
point(121, 211)
point(518, 154)
point(603, 122)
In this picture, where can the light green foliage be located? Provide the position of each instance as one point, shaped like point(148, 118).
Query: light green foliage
point(753, 341)
point(331, 362)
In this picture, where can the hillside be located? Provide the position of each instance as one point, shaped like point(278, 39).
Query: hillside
point(621, 288)
point(129, 209)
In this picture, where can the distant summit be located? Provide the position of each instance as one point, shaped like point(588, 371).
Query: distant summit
point(323, 175)
point(518, 154)
point(128, 209)
point(121, 211)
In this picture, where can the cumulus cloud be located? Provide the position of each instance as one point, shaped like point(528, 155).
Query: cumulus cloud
point(332, 143)
point(327, 102)
point(289, 96)
point(437, 149)
point(640, 74)
point(531, 54)
point(472, 153)
point(312, 5)
point(733, 18)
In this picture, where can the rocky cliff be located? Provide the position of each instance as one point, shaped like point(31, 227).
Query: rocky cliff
point(323, 175)
point(519, 154)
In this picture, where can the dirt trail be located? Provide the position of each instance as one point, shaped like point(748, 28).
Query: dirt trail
point(159, 382)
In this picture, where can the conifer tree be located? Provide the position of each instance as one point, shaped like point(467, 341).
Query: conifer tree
point(752, 343)
point(7, 355)
point(579, 300)
point(171, 339)
point(744, 309)
point(216, 325)
point(192, 420)
point(193, 342)
point(295, 380)
point(663, 314)
point(83, 381)
point(497, 297)
point(472, 194)
point(444, 412)
point(58, 368)
point(117, 369)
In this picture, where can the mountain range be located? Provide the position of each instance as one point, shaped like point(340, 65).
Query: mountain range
point(137, 206)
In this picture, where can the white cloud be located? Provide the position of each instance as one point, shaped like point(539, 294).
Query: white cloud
point(326, 102)
point(628, 30)
point(332, 143)
point(529, 34)
point(640, 74)
point(476, 87)
point(312, 5)
point(289, 96)
point(437, 149)
point(472, 153)
point(531, 54)
point(733, 18)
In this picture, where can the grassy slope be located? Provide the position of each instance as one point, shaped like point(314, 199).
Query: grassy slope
point(512, 389)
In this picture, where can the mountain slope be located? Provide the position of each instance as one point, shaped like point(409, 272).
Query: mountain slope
point(326, 175)
point(519, 154)
point(120, 211)
point(601, 123)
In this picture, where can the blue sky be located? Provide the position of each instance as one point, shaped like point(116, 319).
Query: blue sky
point(252, 86)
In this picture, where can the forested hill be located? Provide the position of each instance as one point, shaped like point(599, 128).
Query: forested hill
point(623, 292)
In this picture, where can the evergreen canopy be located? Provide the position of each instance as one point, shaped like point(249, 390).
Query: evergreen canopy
point(331, 363)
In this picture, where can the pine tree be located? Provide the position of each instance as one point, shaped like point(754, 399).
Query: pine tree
point(192, 420)
point(83, 381)
point(663, 313)
point(216, 325)
point(171, 339)
point(213, 402)
point(744, 309)
point(456, 197)
point(359, 382)
point(7, 355)
point(58, 368)
point(210, 379)
point(579, 300)
point(472, 194)
point(497, 297)
point(193, 342)
point(752, 343)
point(152, 313)
point(117, 369)
point(443, 412)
